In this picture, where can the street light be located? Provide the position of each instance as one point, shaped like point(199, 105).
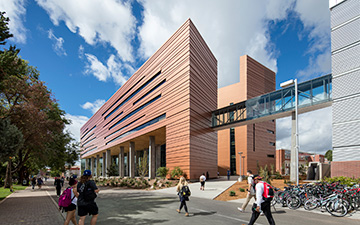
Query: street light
point(240, 178)
point(283, 85)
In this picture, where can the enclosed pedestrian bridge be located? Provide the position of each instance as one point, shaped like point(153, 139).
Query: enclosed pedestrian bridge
point(312, 95)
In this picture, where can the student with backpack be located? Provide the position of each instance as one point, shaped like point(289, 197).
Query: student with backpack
point(68, 200)
point(264, 195)
point(184, 194)
point(251, 191)
point(87, 190)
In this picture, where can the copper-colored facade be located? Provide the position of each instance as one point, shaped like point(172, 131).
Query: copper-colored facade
point(169, 99)
point(255, 141)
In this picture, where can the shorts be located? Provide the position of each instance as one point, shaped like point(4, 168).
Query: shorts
point(202, 183)
point(71, 207)
point(90, 208)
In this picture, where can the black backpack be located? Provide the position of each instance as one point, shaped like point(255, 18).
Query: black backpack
point(89, 193)
point(185, 191)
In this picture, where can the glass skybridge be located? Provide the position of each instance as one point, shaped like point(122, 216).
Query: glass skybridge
point(312, 95)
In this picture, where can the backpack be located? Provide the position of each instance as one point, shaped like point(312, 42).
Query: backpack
point(268, 193)
point(252, 184)
point(65, 198)
point(185, 191)
point(89, 194)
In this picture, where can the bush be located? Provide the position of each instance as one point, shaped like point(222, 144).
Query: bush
point(343, 180)
point(232, 193)
point(241, 189)
point(278, 176)
point(162, 172)
point(176, 173)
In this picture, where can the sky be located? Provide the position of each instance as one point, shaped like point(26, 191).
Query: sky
point(86, 49)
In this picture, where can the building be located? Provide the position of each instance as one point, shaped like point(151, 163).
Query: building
point(255, 142)
point(283, 160)
point(163, 111)
point(345, 57)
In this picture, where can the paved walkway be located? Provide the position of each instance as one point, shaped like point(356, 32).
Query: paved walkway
point(33, 207)
point(212, 188)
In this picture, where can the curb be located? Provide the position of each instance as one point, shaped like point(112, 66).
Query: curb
point(224, 190)
point(56, 205)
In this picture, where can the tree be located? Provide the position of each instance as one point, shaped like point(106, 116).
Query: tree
point(328, 155)
point(11, 140)
point(143, 166)
point(4, 28)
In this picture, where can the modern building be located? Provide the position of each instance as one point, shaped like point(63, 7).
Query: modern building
point(256, 142)
point(163, 110)
point(345, 57)
point(283, 160)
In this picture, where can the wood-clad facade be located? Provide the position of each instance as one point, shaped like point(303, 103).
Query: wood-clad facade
point(255, 141)
point(164, 108)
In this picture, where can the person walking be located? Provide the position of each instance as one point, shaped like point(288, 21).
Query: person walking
point(57, 183)
point(33, 182)
point(261, 202)
point(202, 182)
point(182, 185)
point(251, 190)
point(87, 190)
point(228, 174)
point(39, 182)
point(71, 209)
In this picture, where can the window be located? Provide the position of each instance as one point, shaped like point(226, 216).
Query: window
point(232, 151)
point(270, 131)
point(149, 92)
point(133, 94)
point(272, 143)
point(88, 132)
point(135, 111)
point(151, 122)
point(271, 156)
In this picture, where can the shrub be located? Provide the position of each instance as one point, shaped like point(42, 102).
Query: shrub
point(143, 166)
point(241, 189)
point(162, 172)
point(232, 193)
point(342, 180)
point(278, 175)
point(176, 173)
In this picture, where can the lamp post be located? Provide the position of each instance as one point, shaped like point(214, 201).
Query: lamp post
point(283, 85)
point(240, 178)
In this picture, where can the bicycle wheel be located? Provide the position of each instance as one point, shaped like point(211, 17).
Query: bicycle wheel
point(311, 204)
point(293, 202)
point(337, 207)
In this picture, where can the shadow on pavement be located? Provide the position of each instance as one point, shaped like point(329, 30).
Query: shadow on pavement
point(278, 212)
point(202, 213)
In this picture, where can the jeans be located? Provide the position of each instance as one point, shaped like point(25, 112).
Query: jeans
point(183, 204)
point(265, 207)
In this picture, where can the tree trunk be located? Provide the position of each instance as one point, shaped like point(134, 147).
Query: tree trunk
point(8, 179)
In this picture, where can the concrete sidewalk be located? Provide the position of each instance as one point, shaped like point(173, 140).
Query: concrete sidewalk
point(31, 206)
point(212, 188)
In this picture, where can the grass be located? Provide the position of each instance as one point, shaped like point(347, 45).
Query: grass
point(6, 192)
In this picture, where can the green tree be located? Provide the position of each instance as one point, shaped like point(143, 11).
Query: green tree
point(162, 172)
point(328, 155)
point(4, 28)
point(11, 140)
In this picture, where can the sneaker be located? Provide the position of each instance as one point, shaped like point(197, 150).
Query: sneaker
point(261, 214)
point(186, 214)
point(240, 209)
point(178, 210)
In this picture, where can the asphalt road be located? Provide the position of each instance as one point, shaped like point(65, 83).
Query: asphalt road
point(146, 207)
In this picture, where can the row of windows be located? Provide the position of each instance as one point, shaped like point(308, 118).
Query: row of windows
point(88, 132)
point(135, 111)
point(124, 127)
point(89, 141)
point(151, 122)
point(122, 96)
point(270, 131)
point(133, 94)
point(93, 149)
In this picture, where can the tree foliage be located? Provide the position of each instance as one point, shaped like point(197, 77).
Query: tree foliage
point(11, 139)
point(328, 155)
point(26, 101)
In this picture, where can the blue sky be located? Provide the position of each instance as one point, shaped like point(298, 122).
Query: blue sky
point(86, 49)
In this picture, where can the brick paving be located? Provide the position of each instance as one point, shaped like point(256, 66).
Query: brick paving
point(29, 206)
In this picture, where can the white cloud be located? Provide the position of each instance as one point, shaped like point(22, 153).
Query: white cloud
point(15, 10)
point(77, 122)
point(58, 43)
point(230, 30)
point(112, 69)
point(315, 131)
point(96, 21)
point(93, 106)
point(81, 52)
point(315, 16)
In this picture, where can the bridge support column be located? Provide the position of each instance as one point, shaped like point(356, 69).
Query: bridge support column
point(293, 156)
